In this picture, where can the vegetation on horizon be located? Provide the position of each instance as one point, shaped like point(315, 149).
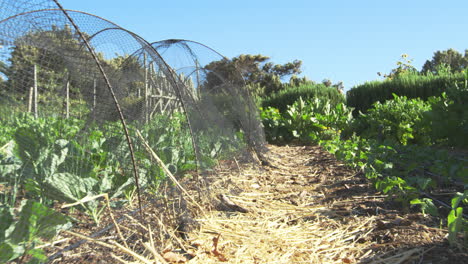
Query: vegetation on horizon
point(437, 75)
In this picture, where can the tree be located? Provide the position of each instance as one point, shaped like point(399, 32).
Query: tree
point(447, 58)
point(59, 56)
point(254, 70)
point(404, 66)
point(51, 51)
point(297, 81)
point(128, 73)
point(3, 72)
point(327, 82)
point(339, 86)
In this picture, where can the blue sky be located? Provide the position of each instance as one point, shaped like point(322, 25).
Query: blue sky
point(344, 40)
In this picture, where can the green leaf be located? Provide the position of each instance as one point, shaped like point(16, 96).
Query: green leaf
point(36, 220)
point(121, 189)
point(423, 183)
point(29, 143)
point(295, 134)
point(427, 206)
point(38, 256)
point(105, 184)
point(8, 149)
point(388, 183)
point(459, 197)
point(454, 221)
point(10, 252)
point(57, 160)
point(6, 220)
point(67, 187)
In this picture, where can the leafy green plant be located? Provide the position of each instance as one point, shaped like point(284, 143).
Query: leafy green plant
point(55, 159)
point(45, 161)
point(398, 120)
point(274, 124)
point(448, 119)
point(34, 224)
point(353, 150)
point(455, 221)
point(307, 121)
point(427, 206)
point(307, 91)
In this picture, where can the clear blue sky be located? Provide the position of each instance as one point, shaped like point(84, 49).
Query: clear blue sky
point(346, 40)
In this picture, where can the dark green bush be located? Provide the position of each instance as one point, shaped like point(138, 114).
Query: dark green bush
point(448, 119)
point(362, 97)
point(291, 94)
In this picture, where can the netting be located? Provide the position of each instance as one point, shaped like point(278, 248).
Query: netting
point(87, 108)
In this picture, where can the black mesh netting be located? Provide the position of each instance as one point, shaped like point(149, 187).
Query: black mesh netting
point(87, 108)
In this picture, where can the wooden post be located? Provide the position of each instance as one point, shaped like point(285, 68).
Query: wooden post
point(67, 98)
point(160, 92)
point(94, 94)
point(146, 110)
point(30, 101)
point(151, 81)
point(35, 92)
point(94, 99)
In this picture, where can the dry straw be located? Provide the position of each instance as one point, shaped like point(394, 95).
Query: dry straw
point(275, 232)
point(272, 229)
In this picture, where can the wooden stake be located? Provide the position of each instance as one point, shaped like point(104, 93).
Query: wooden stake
point(146, 110)
point(30, 102)
point(35, 92)
point(67, 98)
point(151, 81)
point(94, 99)
point(94, 94)
point(160, 91)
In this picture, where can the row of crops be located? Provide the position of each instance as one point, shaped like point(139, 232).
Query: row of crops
point(413, 150)
point(45, 162)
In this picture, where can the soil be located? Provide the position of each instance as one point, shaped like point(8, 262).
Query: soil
point(303, 206)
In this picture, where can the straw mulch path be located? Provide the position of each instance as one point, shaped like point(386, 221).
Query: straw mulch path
point(306, 207)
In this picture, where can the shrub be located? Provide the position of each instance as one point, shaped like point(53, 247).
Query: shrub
point(362, 97)
point(448, 119)
point(398, 120)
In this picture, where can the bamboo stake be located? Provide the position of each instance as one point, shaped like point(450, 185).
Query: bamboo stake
point(94, 94)
point(160, 91)
point(35, 92)
point(94, 99)
point(67, 96)
point(151, 82)
point(146, 90)
point(31, 92)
